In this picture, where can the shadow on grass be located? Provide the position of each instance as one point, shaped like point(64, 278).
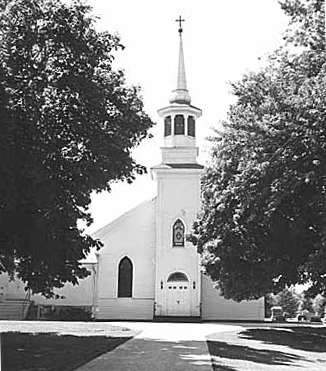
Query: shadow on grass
point(302, 338)
point(52, 352)
point(245, 353)
point(220, 367)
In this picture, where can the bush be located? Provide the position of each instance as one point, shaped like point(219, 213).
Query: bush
point(65, 313)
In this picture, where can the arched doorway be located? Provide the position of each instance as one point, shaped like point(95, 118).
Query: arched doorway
point(178, 295)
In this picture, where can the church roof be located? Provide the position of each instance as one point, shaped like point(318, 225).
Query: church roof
point(181, 94)
point(179, 166)
point(100, 233)
point(177, 106)
point(185, 166)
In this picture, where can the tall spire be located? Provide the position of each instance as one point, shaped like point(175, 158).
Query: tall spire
point(181, 94)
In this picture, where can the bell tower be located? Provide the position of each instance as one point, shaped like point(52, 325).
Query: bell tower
point(177, 280)
point(179, 119)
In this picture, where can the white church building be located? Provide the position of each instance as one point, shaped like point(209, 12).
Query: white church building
point(147, 269)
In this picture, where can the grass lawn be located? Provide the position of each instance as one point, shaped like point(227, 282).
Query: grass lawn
point(66, 346)
point(51, 351)
point(270, 348)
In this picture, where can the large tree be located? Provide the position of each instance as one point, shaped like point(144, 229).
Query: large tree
point(68, 123)
point(288, 300)
point(263, 222)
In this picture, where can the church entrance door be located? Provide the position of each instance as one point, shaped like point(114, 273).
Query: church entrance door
point(178, 295)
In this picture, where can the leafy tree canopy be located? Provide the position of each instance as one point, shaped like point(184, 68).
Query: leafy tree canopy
point(319, 305)
point(288, 300)
point(68, 125)
point(263, 221)
point(306, 302)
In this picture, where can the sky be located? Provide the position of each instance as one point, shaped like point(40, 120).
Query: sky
point(222, 39)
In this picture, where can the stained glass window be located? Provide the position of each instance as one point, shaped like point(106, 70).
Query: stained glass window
point(125, 278)
point(178, 233)
point(179, 125)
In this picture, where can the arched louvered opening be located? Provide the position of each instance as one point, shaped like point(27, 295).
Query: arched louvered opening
point(191, 126)
point(167, 126)
point(179, 125)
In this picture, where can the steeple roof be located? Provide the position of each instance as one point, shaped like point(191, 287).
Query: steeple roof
point(181, 94)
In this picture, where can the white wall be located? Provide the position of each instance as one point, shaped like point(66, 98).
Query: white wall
point(215, 307)
point(125, 308)
point(78, 295)
point(132, 235)
point(178, 198)
point(74, 295)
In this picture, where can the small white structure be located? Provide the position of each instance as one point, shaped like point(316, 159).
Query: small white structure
point(147, 268)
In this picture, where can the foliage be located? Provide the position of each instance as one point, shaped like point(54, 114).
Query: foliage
point(66, 313)
point(263, 220)
point(319, 305)
point(288, 300)
point(306, 302)
point(68, 125)
point(269, 303)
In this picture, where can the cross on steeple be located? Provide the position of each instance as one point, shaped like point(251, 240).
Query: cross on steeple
point(180, 20)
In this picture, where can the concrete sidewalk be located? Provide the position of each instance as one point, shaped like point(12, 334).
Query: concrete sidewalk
point(160, 347)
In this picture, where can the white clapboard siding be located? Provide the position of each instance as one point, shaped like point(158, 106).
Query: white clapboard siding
point(82, 294)
point(13, 310)
point(125, 309)
point(131, 235)
point(215, 307)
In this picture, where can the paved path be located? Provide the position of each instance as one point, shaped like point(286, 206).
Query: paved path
point(161, 347)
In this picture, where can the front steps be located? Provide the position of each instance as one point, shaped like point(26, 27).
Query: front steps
point(177, 319)
point(15, 309)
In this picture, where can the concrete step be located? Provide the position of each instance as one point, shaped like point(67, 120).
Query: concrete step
point(177, 319)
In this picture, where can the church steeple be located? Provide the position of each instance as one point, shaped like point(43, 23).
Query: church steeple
point(180, 119)
point(181, 94)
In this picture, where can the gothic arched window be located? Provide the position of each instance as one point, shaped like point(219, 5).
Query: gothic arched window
point(191, 126)
point(178, 233)
point(167, 126)
point(179, 125)
point(125, 278)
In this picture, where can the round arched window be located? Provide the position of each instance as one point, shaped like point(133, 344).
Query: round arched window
point(179, 125)
point(191, 126)
point(167, 126)
point(177, 276)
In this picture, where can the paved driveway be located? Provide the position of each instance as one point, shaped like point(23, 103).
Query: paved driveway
point(160, 347)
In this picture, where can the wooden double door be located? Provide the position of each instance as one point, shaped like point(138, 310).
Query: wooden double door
point(178, 298)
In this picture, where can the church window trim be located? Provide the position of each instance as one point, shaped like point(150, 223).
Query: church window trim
point(179, 125)
point(125, 277)
point(178, 233)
